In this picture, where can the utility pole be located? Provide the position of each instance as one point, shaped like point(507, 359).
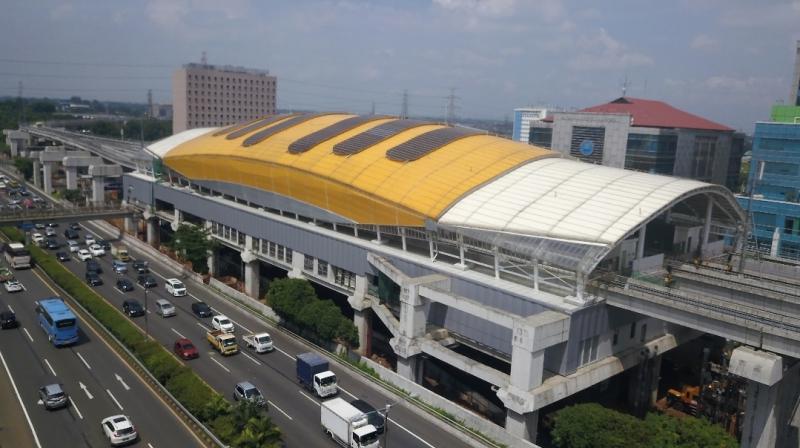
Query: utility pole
point(450, 116)
point(625, 85)
point(149, 112)
point(404, 108)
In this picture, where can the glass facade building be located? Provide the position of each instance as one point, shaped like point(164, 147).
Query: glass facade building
point(652, 153)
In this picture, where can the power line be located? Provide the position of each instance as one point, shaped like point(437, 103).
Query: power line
point(83, 64)
point(450, 116)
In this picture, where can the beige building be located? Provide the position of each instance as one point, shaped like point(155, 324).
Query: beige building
point(206, 95)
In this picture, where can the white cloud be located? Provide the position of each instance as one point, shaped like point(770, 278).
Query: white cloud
point(703, 42)
point(490, 8)
point(761, 14)
point(600, 51)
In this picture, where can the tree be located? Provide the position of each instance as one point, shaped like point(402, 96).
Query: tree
point(191, 243)
point(73, 196)
point(25, 166)
point(288, 296)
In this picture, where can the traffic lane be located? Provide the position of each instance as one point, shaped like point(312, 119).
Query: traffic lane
point(14, 429)
point(414, 429)
point(112, 386)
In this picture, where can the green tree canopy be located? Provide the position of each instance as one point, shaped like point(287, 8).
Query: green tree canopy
point(25, 166)
point(192, 244)
point(288, 296)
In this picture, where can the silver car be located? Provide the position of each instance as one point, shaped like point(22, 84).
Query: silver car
point(53, 396)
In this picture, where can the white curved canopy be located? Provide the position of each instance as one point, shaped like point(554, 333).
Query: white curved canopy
point(161, 147)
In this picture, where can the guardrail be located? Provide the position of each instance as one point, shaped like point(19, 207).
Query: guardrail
point(61, 213)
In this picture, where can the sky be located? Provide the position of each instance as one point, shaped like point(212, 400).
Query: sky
point(726, 60)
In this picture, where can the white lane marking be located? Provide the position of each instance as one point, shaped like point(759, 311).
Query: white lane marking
point(11, 309)
point(309, 398)
point(287, 355)
point(195, 298)
point(203, 326)
point(258, 363)
point(28, 334)
point(280, 410)
point(412, 434)
point(84, 361)
point(75, 406)
point(348, 393)
point(240, 325)
point(220, 364)
point(115, 400)
point(119, 378)
point(50, 367)
point(150, 445)
point(178, 333)
point(86, 389)
point(119, 292)
point(19, 398)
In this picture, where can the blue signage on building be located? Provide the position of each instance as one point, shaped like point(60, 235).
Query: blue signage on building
point(587, 147)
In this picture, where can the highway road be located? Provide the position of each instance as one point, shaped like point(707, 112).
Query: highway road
point(99, 383)
point(295, 410)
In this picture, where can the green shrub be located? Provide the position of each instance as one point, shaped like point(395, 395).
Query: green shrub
point(13, 233)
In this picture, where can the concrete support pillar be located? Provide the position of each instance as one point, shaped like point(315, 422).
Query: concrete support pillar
point(496, 256)
point(640, 242)
point(413, 320)
point(524, 426)
point(643, 386)
point(128, 225)
point(772, 394)
point(212, 263)
point(775, 246)
point(16, 147)
point(706, 227)
point(48, 177)
point(363, 322)
point(98, 189)
point(297, 265)
point(37, 173)
point(402, 237)
point(152, 232)
point(252, 272)
point(72, 177)
point(409, 368)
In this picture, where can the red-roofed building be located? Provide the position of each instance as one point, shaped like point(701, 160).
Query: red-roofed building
point(645, 135)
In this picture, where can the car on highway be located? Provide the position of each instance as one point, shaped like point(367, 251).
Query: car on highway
point(164, 308)
point(141, 267)
point(53, 396)
point(185, 349)
point(89, 239)
point(119, 429)
point(63, 256)
point(201, 309)
point(125, 285)
point(71, 234)
point(52, 244)
point(14, 285)
point(175, 287)
point(93, 265)
point(92, 279)
point(104, 244)
point(8, 320)
point(374, 417)
point(147, 281)
point(97, 250)
point(119, 267)
point(37, 237)
point(220, 322)
point(245, 390)
point(84, 255)
point(132, 308)
point(49, 231)
point(73, 245)
point(5, 274)
point(74, 226)
point(52, 224)
point(39, 226)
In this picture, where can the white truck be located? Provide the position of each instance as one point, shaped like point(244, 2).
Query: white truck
point(346, 425)
point(260, 342)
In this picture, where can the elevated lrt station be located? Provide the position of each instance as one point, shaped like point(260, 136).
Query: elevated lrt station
point(493, 278)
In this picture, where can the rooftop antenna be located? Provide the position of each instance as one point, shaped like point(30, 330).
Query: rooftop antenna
point(203, 59)
point(625, 85)
point(404, 108)
point(451, 106)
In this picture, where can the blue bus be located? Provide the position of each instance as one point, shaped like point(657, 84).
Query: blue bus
point(58, 321)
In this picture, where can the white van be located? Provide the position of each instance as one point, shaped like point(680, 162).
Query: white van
point(164, 308)
point(175, 287)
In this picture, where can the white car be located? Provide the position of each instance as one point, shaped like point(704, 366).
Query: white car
point(84, 255)
point(89, 239)
point(73, 245)
point(50, 231)
point(220, 322)
point(37, 237)
point(14, 286)
point(119, 429)
point(175, 287)
point(97, 250)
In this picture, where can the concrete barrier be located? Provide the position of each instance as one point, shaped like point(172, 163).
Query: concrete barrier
point(244, 299)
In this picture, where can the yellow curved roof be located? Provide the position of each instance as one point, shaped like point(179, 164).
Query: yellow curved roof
point(366, 187)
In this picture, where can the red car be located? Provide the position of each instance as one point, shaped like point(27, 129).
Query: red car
point(185, 349)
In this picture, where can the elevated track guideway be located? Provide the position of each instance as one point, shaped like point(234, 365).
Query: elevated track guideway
point(120, 152)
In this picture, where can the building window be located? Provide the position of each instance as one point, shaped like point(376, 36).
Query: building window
point(272, 249)
point(344, 278)
point(644, 333)
point(289, 255)
point(241, 238)
point(704, 150)
point(633, 330)
point(308, 263)
point(254, 244)
point(615, 338)
point(542, 137)
point(322, 268)
point(588, 349)
point(651, 153)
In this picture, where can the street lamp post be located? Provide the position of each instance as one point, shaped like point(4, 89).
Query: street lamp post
point(386, 425)
point(146, 311)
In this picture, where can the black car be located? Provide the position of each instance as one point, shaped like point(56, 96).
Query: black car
point(201, 309)
point(93, 266)
point(71, 234)
point(8, 320)
point(132, 308)
point(140, 266)
point(52, 224)
point(62, 256)
point(125, 285)
point(147, 281)
point(74, 226)
point(374, 417)
point(92, 279)
point(52, 244)
point(104, 244)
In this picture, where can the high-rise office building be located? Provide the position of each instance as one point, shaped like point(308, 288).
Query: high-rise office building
point(794, 96)
point(205, 95)
point(523, 117)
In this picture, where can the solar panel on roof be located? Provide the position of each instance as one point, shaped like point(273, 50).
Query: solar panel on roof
point(366, 139)
point(309, 141)
point(269, 132)
point(428, 142)
point(235, 126)
point(258, 125)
